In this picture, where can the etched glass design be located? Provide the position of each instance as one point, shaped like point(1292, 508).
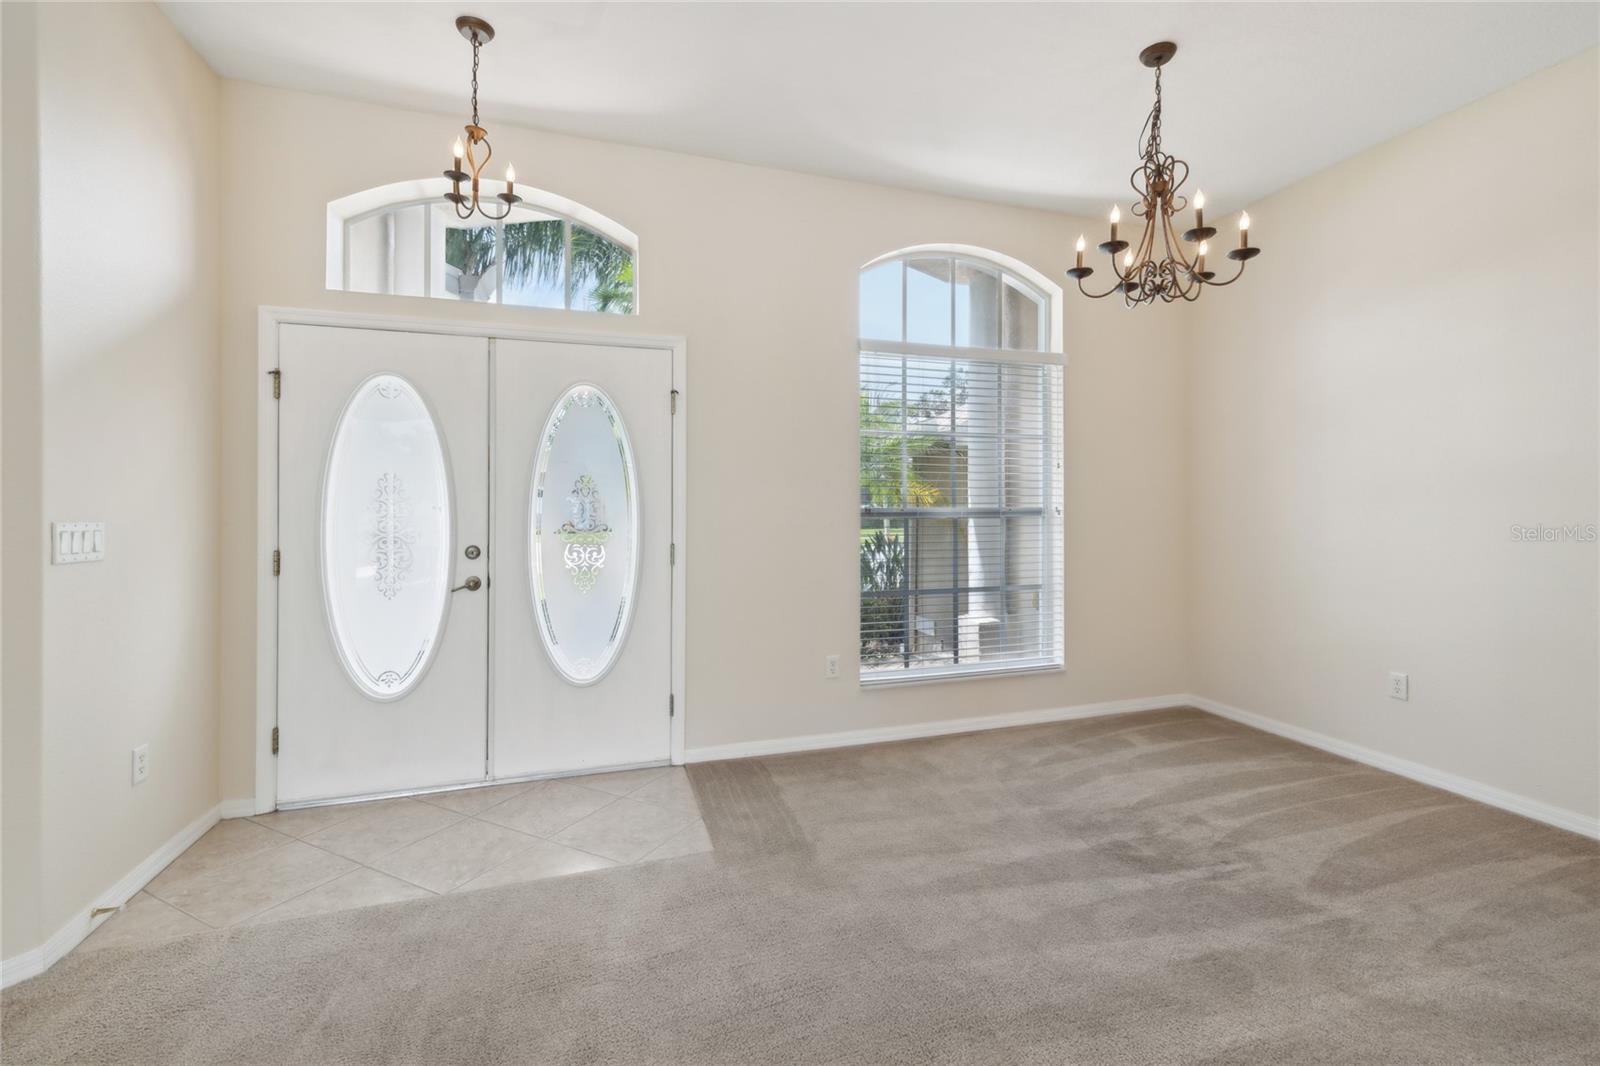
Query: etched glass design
point(386, 537)
point(583, 534)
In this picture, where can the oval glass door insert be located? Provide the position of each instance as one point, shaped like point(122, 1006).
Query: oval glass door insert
point(386, 537)
point(583, 534)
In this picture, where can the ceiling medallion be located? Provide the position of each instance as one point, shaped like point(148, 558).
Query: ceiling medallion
point(1155, 267)
point(479, 33)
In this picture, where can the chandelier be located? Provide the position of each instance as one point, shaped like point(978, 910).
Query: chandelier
point(467, 165)
point(1155, 267)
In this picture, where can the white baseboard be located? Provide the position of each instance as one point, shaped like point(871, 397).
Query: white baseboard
point(37, 961)
point(238, 808)
point(21, 967)
point(1539, 811)
point(882, 734)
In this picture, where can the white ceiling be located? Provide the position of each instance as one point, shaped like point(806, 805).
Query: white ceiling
point(1035, 104)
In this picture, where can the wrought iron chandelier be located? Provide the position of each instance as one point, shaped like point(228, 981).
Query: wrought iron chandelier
point(467, 165)
point(1155, 267)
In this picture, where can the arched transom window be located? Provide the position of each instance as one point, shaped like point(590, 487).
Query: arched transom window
point(405, 240)
point(960, 491)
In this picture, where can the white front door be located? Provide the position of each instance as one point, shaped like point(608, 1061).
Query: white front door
point(383, 517)
point(582, 606)
point(392, 574)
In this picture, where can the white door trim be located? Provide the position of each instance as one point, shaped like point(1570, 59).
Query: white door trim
point(266, 656)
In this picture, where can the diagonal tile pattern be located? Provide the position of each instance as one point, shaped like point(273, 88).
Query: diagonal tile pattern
point(292, 864)
point(226, 895)
point(547, 808)
point(455, 854)
point(476, 800)
point(669, 790)
point(388, 826)
point(361, 887)
point(624, 830)
point(542, 859)
point(626, 782)
point(143, 919)
point(309, 820)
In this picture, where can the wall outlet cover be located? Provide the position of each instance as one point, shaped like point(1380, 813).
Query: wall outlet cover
point(1399, 685)
point(141, 763)
point(830, 666)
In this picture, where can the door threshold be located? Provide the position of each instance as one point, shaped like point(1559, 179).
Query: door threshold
point(547, 775)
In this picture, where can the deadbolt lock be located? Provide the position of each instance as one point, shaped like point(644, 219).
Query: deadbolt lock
point(473, 551)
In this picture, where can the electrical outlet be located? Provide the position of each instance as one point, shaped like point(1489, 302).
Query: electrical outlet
point(1399, 685)
point(830, 666)
point(141, 763)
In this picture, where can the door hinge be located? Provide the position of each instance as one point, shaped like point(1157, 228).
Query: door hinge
point(277, 383)
point(674, 401)
point(277, 562)
point(672, 708)
point(274, 740)
point(672, 554)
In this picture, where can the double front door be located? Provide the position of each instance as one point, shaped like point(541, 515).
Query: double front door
point(475, 579)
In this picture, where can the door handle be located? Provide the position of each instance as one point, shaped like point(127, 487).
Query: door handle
point(472, 585)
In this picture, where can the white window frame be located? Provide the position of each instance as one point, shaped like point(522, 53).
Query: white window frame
point(398, 196)
point(1052, 584)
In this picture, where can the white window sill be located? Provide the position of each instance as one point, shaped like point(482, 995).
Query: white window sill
point(935, 675)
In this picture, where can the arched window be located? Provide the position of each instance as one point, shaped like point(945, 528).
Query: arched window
point(405, 240)
point(960, 430)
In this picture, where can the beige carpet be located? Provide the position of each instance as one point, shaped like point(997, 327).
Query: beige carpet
point(1152, 888)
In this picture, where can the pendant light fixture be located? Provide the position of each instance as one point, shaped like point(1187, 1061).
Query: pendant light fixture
point(1155, 267)
point(468, 167)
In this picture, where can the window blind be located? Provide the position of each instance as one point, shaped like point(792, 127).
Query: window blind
point(961, 489)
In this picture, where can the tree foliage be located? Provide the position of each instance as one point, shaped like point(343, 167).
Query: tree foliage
point(536, 252)
point(895, 468)
point(901, 470)
point(883, 617)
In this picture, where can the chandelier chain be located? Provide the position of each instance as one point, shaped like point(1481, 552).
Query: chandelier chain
point(1151, 145)
point(476, 46)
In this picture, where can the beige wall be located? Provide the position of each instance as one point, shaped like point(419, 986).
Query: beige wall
point(1409, 372)
point(20, 527)
point(757, 269)
point(125, 198)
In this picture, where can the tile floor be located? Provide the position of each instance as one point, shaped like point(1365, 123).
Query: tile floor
point(291, 864)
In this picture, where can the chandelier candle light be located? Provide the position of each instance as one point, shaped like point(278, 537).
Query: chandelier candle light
point(1155, 266)
point(479, 33)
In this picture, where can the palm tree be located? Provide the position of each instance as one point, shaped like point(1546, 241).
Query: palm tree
point(604, 268)
point(616, 295)
point(536, 251)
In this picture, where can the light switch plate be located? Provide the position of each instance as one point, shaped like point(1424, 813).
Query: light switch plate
point(77, 542)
